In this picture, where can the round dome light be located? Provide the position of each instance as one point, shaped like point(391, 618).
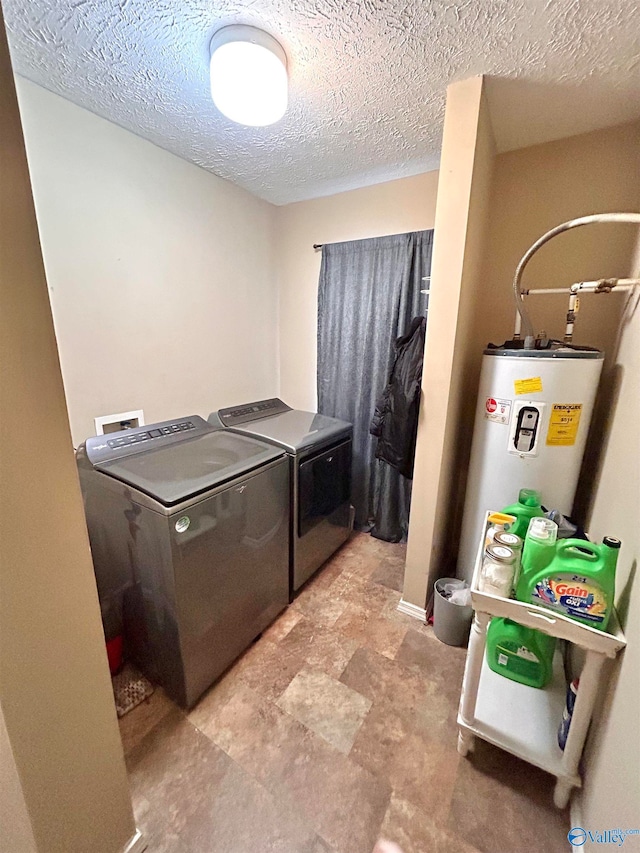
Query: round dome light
point(248, 75)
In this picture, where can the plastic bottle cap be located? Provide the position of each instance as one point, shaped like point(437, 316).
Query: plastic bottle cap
point(543, 529)
point(611, 542)
point(529, 497)
point(538, 528)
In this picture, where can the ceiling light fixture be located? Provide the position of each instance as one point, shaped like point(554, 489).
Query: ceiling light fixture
point(248, 75)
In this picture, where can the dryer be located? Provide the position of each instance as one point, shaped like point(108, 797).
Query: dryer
point(189, 532)
point(319, 450)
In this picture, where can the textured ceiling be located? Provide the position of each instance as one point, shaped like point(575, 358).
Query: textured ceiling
point(368, 77)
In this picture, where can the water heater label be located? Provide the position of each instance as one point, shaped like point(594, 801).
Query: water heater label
point(563, 424)
point(497, 410)
point(525, 435)
point(528, 386)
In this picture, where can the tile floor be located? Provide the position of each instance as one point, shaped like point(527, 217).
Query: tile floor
point(335, 728)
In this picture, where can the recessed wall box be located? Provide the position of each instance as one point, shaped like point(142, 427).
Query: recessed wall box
point(114, 423)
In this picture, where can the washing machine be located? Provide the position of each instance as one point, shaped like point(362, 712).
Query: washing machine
point(319, 450)
point(189, 532)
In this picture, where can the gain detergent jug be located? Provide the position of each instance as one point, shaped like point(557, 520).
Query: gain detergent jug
point(579, 582)
point(520, 653)
point(527, 507)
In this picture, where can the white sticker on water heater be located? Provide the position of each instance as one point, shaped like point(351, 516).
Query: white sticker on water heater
point(497, 410)
point(526, 427)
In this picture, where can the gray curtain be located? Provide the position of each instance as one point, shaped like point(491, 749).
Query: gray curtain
point(369, 292)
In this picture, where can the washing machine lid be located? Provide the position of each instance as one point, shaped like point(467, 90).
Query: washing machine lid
point(183, 469)
point(296, 430)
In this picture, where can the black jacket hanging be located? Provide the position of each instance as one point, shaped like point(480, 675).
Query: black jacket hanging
point(395, 420)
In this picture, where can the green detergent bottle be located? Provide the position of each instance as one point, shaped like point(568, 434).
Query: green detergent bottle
point(520, 653)
point(539, 547)
point(527, 507)
point(579, 582)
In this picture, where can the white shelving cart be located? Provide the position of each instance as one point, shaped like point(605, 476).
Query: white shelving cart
point(524, 720)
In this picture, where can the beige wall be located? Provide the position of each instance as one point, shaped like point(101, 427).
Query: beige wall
point(391, 208)
point(173, 290)
point(161, 274)
point(55, 690)
point(611, 794)
point(534, 189)
point(16, 834)
point(454, 337)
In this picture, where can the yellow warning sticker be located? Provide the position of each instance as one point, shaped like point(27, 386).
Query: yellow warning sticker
point(528, 386)
point(563, 424)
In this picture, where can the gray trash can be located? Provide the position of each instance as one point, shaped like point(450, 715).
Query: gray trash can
point(451, 622)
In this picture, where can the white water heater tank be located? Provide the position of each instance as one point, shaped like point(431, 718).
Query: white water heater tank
point(532, 418)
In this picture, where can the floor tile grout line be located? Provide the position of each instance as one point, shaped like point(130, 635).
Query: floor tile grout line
point(276, 790)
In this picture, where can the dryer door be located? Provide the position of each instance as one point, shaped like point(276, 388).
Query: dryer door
point(324, 484)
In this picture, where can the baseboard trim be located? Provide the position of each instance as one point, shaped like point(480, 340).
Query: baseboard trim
point(136, 844)
point(412, 610)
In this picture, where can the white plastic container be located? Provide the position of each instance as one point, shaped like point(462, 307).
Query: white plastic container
point(532, 418)
point(493, 531)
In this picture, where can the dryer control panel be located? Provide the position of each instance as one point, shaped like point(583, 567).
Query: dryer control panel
point(236, 415)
